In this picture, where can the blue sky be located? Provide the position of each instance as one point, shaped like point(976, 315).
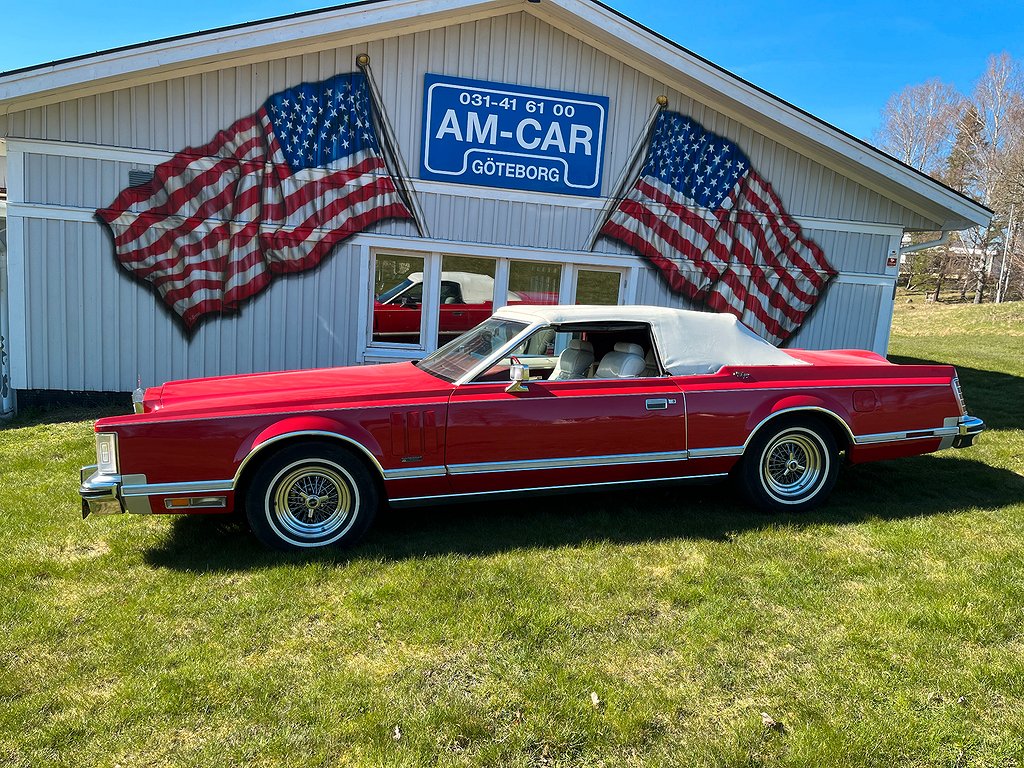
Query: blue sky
point(839, 61)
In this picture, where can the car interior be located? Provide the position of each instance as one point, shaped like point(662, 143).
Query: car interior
point(592, 351)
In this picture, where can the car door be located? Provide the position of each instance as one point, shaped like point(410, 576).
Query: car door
point(564, 433)
point(458, 316)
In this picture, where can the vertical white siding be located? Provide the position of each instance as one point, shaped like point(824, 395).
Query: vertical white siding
point(91, 327)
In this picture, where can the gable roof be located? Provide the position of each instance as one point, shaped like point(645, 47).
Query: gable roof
point(591, 21)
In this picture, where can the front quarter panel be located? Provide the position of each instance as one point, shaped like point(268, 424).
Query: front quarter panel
point(357, 433)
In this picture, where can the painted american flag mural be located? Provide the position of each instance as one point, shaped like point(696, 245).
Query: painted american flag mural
point(271, 194)
point(718, 232)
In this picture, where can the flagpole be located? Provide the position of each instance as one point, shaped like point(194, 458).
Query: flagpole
point(629, 172)
point(389, 146)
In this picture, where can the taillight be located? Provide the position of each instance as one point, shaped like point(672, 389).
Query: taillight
point(959, 393)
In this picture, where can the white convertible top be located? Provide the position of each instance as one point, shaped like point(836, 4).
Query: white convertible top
point(689, 342)
point(476, 289)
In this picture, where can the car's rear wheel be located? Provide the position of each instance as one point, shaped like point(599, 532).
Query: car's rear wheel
point(791, 465)
point(311, 495)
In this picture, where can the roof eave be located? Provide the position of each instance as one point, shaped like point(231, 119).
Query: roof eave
point(173, 56)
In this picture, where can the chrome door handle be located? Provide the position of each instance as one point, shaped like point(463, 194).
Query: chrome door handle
point(657, 404)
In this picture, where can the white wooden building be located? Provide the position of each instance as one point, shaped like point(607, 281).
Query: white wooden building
point(72, 131)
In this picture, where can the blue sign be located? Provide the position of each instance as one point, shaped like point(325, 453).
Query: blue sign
point(511, 136)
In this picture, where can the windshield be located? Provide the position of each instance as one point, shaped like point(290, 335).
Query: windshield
point(390, 293)
point(456, 358)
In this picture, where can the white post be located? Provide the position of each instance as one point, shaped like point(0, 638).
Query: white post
point(6, 391)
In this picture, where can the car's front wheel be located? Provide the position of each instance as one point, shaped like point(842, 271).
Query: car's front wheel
point(311, 495)
point(791, 465)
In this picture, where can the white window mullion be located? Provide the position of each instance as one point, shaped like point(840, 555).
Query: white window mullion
point(567, 289)
point(627, 290)
point(364, 325)
point(500, 284)
point(431, 306)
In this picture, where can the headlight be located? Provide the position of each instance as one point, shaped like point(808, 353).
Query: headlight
point(106, 453)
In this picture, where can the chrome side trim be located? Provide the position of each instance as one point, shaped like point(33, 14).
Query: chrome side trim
point(913, 434)
point(566, 462)
point(408, 473)
point(714, 453)
point(303, 433)
point(195, 488)
point(797, 388)
point(413, 499)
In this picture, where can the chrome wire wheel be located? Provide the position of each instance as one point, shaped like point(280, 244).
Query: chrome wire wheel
point(313, 503)
point(794, 465)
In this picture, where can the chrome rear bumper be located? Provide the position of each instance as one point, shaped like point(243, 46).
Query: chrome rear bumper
point(101, 494)
point(967, 430)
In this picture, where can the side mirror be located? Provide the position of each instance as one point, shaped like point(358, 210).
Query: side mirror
point(518, 373)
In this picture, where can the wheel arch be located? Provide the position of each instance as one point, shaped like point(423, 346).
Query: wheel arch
point(814, 408)
point(290, 432)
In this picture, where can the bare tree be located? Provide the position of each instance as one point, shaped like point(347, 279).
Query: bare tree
point(976, 146)
point(919, 124)
point(993, 149)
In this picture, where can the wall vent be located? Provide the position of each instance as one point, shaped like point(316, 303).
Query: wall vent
point(137, 177)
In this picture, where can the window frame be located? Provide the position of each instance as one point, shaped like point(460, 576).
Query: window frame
point(535, 328)
point(432, 253)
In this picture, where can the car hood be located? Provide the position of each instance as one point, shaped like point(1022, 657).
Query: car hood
point(369, 385)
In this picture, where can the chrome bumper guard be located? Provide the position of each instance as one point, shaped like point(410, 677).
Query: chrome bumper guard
point(101, 494)
point(968, 429)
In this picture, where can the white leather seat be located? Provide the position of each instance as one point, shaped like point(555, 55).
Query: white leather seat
point(623, 362)
point(574, 361)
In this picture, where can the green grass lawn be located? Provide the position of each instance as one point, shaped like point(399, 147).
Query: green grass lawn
point(885, 629)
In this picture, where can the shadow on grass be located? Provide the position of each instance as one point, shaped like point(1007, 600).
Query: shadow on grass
point(34, 416)
point(995, 397)
point(896, 490)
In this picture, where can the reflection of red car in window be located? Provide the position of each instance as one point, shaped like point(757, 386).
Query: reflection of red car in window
point(466, 301)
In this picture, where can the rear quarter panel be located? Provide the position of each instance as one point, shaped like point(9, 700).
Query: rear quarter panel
point(872, 399)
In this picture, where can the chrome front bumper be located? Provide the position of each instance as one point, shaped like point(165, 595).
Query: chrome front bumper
point(967, 430)
point(101, 494)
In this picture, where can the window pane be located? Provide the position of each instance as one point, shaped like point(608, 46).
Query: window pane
point(530, 282)
point(539, 352)
point(467, 294)
point(398, 299)
point(461, 355)
point(593, 287)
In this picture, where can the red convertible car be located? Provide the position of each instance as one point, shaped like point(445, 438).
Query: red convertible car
point(532, 400)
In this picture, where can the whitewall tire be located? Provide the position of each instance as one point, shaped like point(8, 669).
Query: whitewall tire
point(309, 496)
point(791, 465)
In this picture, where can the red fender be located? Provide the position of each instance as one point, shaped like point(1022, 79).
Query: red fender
point(827, 405)
point(314, 426)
